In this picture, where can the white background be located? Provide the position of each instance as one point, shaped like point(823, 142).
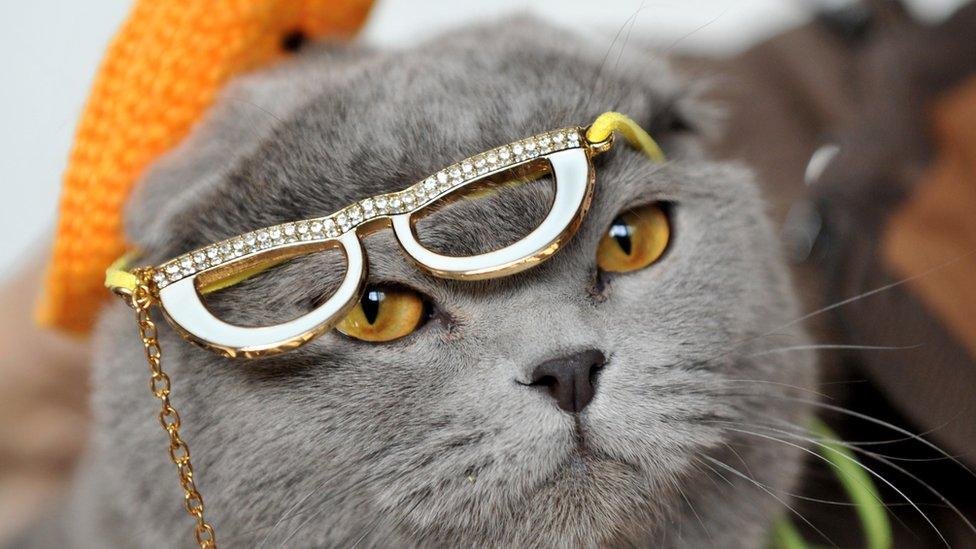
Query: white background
point(51, 48)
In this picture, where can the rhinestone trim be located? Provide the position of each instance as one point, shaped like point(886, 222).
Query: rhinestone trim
point(409, 200)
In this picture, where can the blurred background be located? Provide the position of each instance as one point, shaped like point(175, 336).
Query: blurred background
point(854, 114)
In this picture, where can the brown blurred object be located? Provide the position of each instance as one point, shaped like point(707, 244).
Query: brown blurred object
point(938, 224)
point(43, 405)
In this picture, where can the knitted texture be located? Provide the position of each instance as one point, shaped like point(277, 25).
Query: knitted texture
point(160, 73)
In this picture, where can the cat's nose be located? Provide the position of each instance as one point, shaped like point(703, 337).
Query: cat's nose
point(570, 380)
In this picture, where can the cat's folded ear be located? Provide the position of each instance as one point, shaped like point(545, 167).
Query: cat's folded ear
point(680, 120)
point(245, 114)
point(685, 120)
point(679, 116)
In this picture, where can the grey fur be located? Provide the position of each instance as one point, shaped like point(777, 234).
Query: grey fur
point(344, 440)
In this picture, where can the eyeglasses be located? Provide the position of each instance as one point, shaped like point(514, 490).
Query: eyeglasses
point(567, 154)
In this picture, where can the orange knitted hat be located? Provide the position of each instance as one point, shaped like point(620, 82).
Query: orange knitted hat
point(161, 71)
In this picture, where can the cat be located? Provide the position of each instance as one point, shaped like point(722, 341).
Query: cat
point(435, 439)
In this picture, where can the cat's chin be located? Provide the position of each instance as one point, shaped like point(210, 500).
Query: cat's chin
point(592, 499)
point(562, 490)
point(586, 463)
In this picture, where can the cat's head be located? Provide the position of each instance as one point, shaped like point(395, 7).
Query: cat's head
point(450, 435)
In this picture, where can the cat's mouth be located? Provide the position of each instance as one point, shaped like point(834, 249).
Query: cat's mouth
point(585, 456)
point(585, 467)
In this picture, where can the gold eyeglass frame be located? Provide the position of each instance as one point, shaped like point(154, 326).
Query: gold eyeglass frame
point(565, 153)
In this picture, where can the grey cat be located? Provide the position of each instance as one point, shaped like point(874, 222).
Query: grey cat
point(437, 439)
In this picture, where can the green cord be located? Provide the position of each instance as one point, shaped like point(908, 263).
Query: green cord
point(859, 487)
point(785, 535)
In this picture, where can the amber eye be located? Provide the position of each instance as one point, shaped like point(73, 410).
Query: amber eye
point(383, 314)
point(635, 239)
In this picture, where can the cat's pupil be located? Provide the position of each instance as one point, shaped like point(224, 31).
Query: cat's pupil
point(620, 231)
point(371, 305)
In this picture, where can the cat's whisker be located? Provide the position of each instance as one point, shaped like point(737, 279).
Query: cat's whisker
point(784, 492)
point(315, 512)
point(284, 516)
point(297, 529)
point(372, 526)
point(883, 459)
point(393, 527)
point(742, 460)
point(775, 383)
point(851, 445)
point(841, 382)
point(256, 106)
point(876, 421)
point(694, 511)
point(613, 43)
point(633, 23)
point(798, 429)
point(944, 456)
point(793, 494)
point(745, 464)
point(694, 31)
point(945, 501)
point(888, 460)
point(867, 469)
point(832, 502)
point(880, 289)
point(302, 508)
point(696, 462)
point(369, 530)
point(835, 346)
point(863, 443)
point(759, 485)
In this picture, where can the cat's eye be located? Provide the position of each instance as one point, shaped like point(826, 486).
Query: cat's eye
point(384, 313)
point(635, 239)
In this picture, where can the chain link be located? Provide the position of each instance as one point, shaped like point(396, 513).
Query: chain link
point(142, 299)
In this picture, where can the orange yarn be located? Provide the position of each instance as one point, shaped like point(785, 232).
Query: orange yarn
point(160, 73)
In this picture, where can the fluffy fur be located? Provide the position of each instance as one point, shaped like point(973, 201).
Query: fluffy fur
point(431, 440)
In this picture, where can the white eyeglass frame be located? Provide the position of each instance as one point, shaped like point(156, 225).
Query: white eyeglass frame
point(565, 153)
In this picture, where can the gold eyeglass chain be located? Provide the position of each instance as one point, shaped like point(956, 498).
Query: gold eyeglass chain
point(142, 298)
